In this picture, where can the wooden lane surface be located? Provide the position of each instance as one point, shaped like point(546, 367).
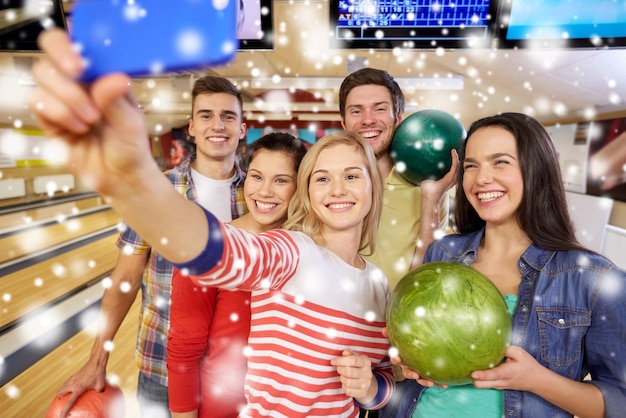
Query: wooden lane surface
point(41, 283)
point(38, 239)
point(53, 210)
point(30, 393)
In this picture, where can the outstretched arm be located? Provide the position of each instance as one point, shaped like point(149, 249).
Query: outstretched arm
point(107, 148)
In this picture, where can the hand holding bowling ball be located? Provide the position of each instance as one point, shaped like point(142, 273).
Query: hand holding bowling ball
point(109, 403)
point(447, 320)
point(422, 144)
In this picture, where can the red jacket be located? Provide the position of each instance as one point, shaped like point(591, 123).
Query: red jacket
point(206, 364)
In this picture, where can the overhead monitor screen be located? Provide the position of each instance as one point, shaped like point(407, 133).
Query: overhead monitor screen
point(21, 22)
point(562, 24)
point(412, 23)
point(255, 24)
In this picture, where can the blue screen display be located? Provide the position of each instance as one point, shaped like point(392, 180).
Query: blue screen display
point(412, 23)
point(563, 23)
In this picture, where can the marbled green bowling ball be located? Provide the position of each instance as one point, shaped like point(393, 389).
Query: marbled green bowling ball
point(446, 320)
point(422, 144)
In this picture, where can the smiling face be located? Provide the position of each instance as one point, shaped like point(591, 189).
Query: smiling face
point(340, 188)
point(217, 125)
point(492, 179)
point(269, 186)
point(369, 112)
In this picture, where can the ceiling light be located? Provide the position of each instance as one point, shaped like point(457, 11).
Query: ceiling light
point(268, 116)
point(312, 83)
point(326, 117)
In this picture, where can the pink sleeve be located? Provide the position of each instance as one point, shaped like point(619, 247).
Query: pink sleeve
point(191, 312)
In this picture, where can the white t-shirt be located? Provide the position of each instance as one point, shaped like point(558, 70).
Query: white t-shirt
point(214, 195)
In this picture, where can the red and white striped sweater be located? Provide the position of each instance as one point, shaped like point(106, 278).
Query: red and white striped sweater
point(308, 305)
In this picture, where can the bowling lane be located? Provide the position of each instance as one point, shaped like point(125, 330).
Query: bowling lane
point(55, 232)
point(30, 393)
point(31, 287)
point(55, 258)
point(28, 214)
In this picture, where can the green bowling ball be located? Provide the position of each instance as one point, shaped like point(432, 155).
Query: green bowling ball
point(422, 144)
point(446, 320)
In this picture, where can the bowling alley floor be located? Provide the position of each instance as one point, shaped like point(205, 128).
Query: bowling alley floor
point(54, 260)
point(30, 393)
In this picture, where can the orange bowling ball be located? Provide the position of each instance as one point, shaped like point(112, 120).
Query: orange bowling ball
point(109, 403)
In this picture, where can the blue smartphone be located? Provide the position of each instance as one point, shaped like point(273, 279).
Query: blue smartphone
point(152, 37)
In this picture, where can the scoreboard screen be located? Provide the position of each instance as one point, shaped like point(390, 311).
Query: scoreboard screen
point(421, 24)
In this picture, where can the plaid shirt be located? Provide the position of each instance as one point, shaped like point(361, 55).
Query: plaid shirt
point(156, 283)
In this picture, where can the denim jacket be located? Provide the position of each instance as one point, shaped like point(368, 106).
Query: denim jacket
point(570, 316)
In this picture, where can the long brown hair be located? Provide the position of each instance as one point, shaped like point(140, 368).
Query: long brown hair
point(543, 213)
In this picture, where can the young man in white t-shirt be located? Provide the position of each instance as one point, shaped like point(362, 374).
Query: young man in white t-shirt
point(210, 177)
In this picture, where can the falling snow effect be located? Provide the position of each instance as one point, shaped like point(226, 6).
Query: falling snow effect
point(482, 80)
point(36, 325)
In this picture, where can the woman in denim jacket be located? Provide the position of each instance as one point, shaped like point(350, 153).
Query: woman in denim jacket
point(568, 303)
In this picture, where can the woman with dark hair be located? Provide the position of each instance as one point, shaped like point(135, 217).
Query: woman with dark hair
point(543, 214)
point(209, 327)
point(568, 304)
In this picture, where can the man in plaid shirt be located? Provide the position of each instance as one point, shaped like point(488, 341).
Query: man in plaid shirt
point(210, 177)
